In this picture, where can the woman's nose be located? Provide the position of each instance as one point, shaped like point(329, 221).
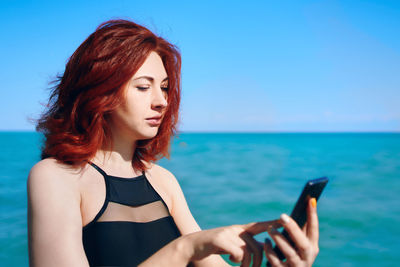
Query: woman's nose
point(160, 99)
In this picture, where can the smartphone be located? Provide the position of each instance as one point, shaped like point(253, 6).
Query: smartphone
point(312, 189)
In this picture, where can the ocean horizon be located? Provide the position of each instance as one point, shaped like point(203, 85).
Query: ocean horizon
point(241, 177)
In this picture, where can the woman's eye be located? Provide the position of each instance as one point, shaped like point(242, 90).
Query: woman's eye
point(142, 87)
point(164, 88)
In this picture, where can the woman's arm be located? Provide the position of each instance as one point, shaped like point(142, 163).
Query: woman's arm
point(234, 240)
point(54, 217)
point(198, 246)
point(306, 239)
point(201, 247)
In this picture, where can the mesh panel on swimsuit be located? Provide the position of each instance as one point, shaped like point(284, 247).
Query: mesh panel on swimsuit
point(133, 223)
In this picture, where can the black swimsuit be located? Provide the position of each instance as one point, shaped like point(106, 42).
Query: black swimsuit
point(133, 223)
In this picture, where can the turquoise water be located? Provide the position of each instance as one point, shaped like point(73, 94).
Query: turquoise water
point(239, 178)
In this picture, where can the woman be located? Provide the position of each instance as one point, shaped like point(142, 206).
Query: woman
point(98, 198)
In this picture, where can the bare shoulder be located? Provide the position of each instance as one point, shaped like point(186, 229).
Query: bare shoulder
point(49, 175)
point(51, 166)
point(52, 184)
point(42, 167)
point(160, 170)
point(54, 204)
point(164, 176)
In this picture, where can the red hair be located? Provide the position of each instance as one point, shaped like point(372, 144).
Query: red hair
point(91, 87)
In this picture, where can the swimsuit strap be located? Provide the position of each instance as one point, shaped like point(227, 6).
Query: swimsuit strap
point(98, 169)
point(103, 172)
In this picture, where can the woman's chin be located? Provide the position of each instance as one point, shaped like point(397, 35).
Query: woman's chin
point(149, 134)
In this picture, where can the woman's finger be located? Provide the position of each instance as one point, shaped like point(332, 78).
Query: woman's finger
point(312, 222)
point(236, 254)
point(286, 248)
point(254, 247)
point(258, 261)
point(304, 229)
point(298, 237)
point(230, 244)
point(255, 228)
point(272, 258)
point(246, 260)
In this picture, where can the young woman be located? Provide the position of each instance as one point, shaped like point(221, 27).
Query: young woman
point(97, 197)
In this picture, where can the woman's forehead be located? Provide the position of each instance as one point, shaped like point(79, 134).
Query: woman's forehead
point(152, 67)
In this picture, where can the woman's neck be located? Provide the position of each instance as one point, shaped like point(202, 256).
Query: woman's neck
point(118, 158)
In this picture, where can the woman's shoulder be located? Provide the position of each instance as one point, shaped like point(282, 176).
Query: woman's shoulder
point(53, 167)
point(164, 177)
point(161, 173)
point(45, 166)
point(54, 214)
point(50, 174)
point(159, 170)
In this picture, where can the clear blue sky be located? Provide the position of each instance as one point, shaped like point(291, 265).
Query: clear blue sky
point(247, 65)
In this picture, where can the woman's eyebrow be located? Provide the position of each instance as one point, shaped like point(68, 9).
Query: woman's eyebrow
point(149, 78)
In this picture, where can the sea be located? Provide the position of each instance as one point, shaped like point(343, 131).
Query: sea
point(238, 178)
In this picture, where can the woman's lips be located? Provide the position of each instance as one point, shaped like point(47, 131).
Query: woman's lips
point(154, 121)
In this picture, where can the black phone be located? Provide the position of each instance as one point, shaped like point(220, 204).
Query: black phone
point(312, 189)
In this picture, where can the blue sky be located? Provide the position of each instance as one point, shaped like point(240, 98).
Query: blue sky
point(271, 66)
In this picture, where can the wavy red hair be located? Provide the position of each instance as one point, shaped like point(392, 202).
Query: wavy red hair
point(91, 87)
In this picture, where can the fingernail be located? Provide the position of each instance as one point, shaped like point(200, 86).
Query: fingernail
point(285, 219)
point(313, 202)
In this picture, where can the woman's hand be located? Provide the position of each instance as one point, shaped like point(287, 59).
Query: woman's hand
point(235, 240)
point(305, 240)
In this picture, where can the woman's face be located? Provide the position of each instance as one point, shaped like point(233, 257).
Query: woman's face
point(145, 101)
